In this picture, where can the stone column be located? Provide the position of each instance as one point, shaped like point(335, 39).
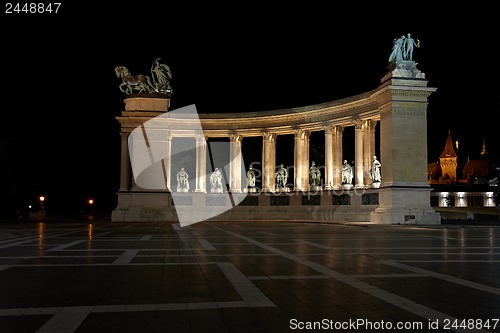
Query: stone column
point(358, 153)
point(235, 162)
point(337, 156)
point(328, 157)
point(404, 194)
point(135, 187)
point(124, 163)
point(301, 160)
point(167, 161)
point(201, 163)
point(307, 159)
point(268, 161)
point(368, 149)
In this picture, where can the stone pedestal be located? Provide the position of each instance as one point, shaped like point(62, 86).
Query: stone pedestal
point(315, 188)
point(147, 103)
point(132, 205)
point(405, 206)
point(404, 194)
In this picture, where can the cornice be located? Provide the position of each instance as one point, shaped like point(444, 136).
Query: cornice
point(361, 107)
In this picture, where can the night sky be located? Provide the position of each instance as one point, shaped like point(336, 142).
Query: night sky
point(60, 96)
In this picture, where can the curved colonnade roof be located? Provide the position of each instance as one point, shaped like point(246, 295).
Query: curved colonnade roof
point(318, 117)
point(286, 121)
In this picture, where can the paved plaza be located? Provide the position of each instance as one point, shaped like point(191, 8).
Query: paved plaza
point(248, 277)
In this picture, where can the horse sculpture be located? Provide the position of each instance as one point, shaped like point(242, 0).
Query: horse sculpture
point(139, 83)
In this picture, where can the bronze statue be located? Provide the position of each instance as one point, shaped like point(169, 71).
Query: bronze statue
point(161, 75)
point(158, 83)
point(402, 49)
point(140, 83)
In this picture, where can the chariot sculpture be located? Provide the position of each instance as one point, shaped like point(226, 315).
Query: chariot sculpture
point(157, 83)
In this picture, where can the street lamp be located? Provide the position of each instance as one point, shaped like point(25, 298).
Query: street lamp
point(91, 203)
point(42, 200)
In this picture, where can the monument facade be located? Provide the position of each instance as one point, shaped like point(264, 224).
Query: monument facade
point(391, 189)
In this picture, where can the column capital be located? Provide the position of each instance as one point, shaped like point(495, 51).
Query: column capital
point(369, 124)
point(301, 133)
point(168, 135)
point(235, 137)
point(200, 138)
point(327, 127)
point(357, 123)
point(337, 130)
point(266, 135)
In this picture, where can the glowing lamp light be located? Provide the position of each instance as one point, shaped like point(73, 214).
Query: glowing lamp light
point(42, 209)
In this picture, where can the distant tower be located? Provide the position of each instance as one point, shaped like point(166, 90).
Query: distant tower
point(448, 160)
point(484, 152)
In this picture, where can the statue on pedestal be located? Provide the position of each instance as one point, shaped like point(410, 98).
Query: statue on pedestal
point(315, 176)
point(131, 83)
point(216, 181)
point(375, 172)
point(250, 180)
point(158, 83)
point(408, 49)
point(397, 49)
point(402, 48)
point(281, 177)
point(347, 173)
point(182, 181)
point(161, 75)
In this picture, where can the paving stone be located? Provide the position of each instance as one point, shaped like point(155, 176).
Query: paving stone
point(243, 277)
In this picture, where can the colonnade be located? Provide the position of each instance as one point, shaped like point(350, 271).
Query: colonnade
point(364, 150)
point(398, 107)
